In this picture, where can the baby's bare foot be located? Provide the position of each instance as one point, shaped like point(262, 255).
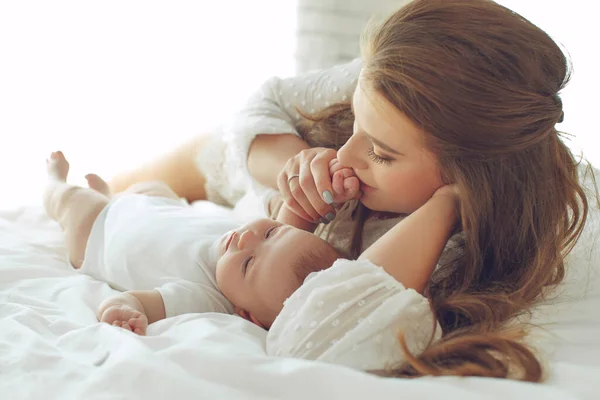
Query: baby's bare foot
point(57, 166)
point(98, 184)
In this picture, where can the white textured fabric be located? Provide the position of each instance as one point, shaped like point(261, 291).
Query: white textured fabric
point(351, 314)
point(140, 242)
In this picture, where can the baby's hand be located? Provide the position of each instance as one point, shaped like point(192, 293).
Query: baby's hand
point(125, 317)
point(344, 182)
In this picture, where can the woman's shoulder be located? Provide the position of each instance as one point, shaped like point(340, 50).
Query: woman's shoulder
point(351, 314)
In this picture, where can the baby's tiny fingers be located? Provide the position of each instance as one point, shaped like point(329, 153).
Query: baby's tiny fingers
point(347, 172)
point(335, 166)
point(337, 183)
point(352, 187)
point(139, 331)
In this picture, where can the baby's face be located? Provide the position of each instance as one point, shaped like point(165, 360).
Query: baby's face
point(255, 267)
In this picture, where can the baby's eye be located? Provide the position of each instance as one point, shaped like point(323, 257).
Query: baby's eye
point(270, 232)
point(246, 264)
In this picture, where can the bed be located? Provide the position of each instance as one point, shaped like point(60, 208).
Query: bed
point(52, 347)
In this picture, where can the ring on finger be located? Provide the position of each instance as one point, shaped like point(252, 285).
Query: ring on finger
point(292, 177)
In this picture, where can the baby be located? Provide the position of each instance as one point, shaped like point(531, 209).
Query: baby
point(167, 258)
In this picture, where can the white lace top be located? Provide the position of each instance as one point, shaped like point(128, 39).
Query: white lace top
point(354, 305)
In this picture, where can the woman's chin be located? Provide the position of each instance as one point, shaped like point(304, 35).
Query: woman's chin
point(373, 203)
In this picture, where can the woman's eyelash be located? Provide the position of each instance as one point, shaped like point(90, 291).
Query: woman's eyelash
point(378, 159)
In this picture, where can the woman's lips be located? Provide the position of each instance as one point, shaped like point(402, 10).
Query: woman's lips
point(363, 186)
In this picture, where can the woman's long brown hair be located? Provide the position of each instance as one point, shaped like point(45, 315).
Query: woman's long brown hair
point(483, 83)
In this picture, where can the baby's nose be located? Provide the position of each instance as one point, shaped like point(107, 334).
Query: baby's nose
point(247, 239)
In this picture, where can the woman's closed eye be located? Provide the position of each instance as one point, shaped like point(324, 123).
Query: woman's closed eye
point(379, 159)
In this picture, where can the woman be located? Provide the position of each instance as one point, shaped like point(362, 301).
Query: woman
point(461, 92)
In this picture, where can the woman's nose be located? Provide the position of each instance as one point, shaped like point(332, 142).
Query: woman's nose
point(352, 155)
point(247, 239)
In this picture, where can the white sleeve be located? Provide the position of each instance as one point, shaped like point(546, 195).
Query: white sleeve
point(182, 297)
point(272, 110)
point(351, 314)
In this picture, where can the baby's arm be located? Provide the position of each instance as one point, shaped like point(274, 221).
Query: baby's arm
point(410, 250)
point(133, 310)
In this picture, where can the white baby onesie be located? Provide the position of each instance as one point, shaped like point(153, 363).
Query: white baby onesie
point(140, 243)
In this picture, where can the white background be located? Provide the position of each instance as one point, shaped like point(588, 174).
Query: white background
point(114, 83)
point(574, 25)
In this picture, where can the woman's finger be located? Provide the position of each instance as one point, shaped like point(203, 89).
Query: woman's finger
point(320, 170)
point(288, 197)
point(283, 185)
point(335, 166)
point(299, 194)
point(311, 193)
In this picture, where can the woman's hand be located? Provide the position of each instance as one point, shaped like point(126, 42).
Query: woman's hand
point(306, 186)
point(313, 181)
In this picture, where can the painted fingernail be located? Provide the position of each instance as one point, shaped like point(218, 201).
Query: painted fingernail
point(330, 216)
point(328, 197)
point(324, 220)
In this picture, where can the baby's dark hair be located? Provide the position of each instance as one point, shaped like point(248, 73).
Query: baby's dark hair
point(317, 259)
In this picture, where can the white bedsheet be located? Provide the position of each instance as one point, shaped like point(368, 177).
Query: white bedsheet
point(51, 346)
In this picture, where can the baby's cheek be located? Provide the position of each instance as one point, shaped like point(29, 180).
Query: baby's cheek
point(221, 272)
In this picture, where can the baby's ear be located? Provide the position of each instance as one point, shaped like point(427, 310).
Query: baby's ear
point(249, 317)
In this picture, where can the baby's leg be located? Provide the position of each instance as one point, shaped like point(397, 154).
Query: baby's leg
point(73, 207)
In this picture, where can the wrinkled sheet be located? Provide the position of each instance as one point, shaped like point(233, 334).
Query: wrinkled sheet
point(52, 347)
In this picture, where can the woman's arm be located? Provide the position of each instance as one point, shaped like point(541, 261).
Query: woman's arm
point(176, 168)
point(410, 250)
point(273, 111)
point(268, 155)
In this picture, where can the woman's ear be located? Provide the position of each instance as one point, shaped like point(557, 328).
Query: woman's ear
point(249, 317)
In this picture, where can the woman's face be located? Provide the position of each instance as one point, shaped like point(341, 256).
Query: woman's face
point(387, 154)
